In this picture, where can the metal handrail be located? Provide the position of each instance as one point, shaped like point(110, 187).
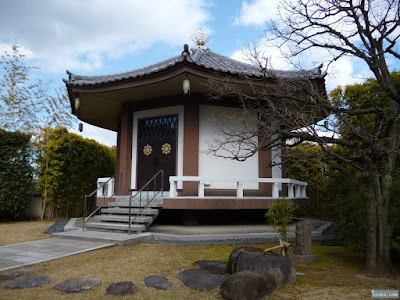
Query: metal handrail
point(139, 192)
point(84, 219)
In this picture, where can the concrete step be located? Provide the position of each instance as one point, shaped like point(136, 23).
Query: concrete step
point(122, 219)
point(125, 211)
point(136, 203)
point(116, 226)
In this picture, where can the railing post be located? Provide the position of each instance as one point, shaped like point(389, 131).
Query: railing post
point(155, 187)
point(162, 182)
point(201, 189)
point(84, 214)
point(147, 198)
point(290, 190)
point(239, 189)
point(172, 188)
point(129, 218)
point(275, 190)
point(120, 183)
point(303, 191)
point(99, 191)
point(110, 187)
point(298, 190)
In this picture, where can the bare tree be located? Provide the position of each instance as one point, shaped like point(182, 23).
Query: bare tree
point(366, 128)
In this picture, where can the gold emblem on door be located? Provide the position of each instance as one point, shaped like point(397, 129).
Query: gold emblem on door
point(166, 148)
point(147, 150)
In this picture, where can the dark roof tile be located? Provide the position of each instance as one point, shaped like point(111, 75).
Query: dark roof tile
point(200, 56)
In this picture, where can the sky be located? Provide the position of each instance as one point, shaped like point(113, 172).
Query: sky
point(96, 37)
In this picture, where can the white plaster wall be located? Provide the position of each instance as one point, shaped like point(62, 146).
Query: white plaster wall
point(212, 166)
point(172, 110)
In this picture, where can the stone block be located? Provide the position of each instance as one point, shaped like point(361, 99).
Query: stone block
point(303, 259)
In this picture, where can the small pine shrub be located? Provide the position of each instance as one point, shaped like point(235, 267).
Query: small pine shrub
point(280, 216)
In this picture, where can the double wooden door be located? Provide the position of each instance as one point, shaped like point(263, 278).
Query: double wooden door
point(156, 148)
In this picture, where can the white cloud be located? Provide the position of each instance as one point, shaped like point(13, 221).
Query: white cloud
point(345, 71)
point(342, 73)
point(6, 47)
point(103, 136)
point(274, 56)
point(257, 12)
point(79, 35)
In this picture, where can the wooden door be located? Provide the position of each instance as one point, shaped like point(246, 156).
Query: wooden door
point(156, 148)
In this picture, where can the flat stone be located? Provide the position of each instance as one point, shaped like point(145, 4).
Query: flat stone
point(157, 281)
point(30, 282)
point(10, 275)
point(199, 279)
point(247, 285)
point(77, 285)
point(122, 288)
point(57, 227)
point(213, 266)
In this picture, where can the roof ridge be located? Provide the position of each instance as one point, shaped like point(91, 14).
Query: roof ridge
point(200, 56)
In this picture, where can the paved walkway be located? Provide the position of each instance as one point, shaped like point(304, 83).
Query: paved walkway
point(18, 255)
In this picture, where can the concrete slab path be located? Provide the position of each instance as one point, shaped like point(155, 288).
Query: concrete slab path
point(206, 234)
point(23, 254)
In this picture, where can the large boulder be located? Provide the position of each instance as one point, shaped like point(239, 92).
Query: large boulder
point(252, 259)
point(247, 285)
point(234, 255)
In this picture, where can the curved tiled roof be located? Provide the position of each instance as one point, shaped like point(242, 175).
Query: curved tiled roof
point(200, 56)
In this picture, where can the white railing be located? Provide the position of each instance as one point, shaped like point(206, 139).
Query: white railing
point(105, 187)
point(296, 188)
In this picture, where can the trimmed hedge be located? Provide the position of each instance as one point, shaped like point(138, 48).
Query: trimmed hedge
point(73, 166)
point(16, 173)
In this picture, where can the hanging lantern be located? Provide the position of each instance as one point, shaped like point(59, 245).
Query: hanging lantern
point(77, 103)
point(186, 86)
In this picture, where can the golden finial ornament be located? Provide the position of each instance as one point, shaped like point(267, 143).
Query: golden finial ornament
point(200, 38)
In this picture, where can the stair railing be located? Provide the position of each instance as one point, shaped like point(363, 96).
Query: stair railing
point(143, 189)
point(84, 219)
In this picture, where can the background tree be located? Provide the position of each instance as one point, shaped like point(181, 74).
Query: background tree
point(16, 174)
point(332, 195)
point(73, 166)
point(26, 103)
point(364, 29)
point(306, 167)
